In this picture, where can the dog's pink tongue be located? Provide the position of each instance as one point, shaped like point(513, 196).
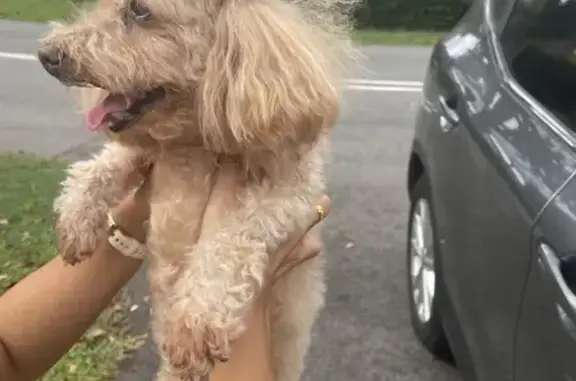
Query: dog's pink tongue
point(96, 117)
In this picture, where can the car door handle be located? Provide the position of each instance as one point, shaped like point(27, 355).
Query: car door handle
point(448, 107)
point(565, 298)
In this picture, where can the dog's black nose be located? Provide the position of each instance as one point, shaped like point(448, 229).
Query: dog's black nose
point(52, 60)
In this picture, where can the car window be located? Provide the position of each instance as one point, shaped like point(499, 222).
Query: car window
point(539, 46)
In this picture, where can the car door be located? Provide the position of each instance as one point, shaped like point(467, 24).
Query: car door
point(490, 187)
point(546, 336)
point(539, 47)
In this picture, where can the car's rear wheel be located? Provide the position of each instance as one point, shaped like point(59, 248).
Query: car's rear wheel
point(423, 278)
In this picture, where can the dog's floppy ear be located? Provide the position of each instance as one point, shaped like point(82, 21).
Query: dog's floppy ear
point(271, 80)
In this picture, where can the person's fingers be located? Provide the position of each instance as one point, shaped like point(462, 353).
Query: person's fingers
point(140, 173)
point(140, 183)
point(323, 209)
point(312, 247)
point(146, 169)
point(312, 244)
point(142, 194)
point(317, 214)
point(133, 212)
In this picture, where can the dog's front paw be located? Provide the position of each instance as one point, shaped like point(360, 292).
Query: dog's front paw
point(77, 240)
point(81, 216)
point(75, 245)
point(193, 349)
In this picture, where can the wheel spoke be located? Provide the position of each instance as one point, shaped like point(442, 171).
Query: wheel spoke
point(414, 247)
point(417, 283)
point(430, 284)
point(423, 212)
point(421, 310)
point(429, 242)
point(419, 235)
point(416, 266)
point(417, 294)
point(425, 296)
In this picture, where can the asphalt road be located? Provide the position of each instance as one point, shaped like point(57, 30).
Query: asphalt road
point(364, 332)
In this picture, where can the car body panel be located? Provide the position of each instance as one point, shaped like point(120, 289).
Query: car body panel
point(546, 333)
point(493, 171)
point(545, 341)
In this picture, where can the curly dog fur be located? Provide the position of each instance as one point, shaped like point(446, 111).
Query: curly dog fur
point(252, 90)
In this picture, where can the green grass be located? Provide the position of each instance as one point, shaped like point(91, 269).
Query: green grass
point(35, 10)
point(46, 10)
point(28, 186)
point(391, 37)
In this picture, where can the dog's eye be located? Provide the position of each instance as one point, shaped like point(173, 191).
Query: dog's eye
point(139, 12)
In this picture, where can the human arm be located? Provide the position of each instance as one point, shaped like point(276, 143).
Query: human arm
point(42, 316)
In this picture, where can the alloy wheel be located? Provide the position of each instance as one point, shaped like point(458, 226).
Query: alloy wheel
point(422, 270)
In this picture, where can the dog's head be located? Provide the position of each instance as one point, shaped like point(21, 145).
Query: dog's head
point(233, 74)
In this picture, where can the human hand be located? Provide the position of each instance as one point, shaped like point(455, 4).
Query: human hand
point(252, 352)
point(288, 257)
point(133, 213)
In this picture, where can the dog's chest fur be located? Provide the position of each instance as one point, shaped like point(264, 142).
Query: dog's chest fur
point(195, 194)
point(181, 188)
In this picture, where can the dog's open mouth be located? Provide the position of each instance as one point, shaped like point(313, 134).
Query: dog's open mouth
point(118, 112)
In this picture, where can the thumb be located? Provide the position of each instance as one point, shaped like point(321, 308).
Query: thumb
point(142, 193)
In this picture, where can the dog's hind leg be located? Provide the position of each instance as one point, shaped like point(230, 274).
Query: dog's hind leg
point(298, 298)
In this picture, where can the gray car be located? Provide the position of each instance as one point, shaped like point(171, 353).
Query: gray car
point(492, 235)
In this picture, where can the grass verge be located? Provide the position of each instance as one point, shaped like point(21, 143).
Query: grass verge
point(391, 37)
point(36, 10)
point(28, 186)
point(45, 10)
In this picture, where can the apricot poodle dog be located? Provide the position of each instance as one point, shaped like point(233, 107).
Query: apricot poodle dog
point(232, 99)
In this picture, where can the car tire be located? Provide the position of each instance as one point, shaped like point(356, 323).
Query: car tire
point(426, 323)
